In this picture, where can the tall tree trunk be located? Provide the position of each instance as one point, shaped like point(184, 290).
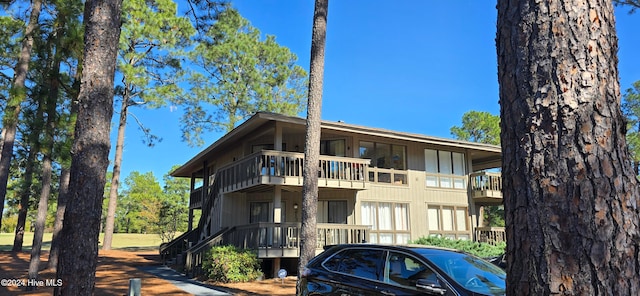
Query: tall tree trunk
point(17, 95)
point(115, 179)
point(49, 131)
point(4, 131)
point(570, 193)
point(54, 251)
point(90, 152)
point(308, 234)
point(27, 181)
point(41, 218)
point(64, 155)
point(63, 190)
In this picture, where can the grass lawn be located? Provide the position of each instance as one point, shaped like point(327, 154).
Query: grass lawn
point(122, 241)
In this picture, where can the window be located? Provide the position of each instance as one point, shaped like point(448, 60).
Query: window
point(389, 222)
point(384, 155)
point(259, 212)
point(260, 147)
point(332, 211)
point(385, 159)
point(448, 221)
point(364, 263)
point(332, 147)
point(405, 270)
point(445, 169)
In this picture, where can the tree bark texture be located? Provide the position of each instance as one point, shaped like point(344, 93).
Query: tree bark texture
point(54, 252)
point(51, 102)
point(65, 176)
point(90, 151)
point(18, 94)
point(41, 217)
point(25, 191)
point(109, 225)
point(308, 233)
point(570, 192)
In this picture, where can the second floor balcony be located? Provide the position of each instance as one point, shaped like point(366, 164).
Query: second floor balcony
point(486, 188)
point(267, 168)
point(285, 168)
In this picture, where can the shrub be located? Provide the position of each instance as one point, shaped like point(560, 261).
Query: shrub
point(228, 264)
point(482, 250)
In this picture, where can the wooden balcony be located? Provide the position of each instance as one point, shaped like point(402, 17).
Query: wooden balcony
point(195, 198)
point(274, 240)
point(271, 240)
point(285, 168)
point(267, 168)
point(486, 188)
point(491, 235)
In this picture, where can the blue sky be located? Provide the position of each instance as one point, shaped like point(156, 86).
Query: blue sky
point(413, 66)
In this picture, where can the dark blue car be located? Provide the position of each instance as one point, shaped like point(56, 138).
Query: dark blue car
point(365, 269)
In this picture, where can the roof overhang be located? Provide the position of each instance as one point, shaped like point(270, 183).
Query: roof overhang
point(484, 155)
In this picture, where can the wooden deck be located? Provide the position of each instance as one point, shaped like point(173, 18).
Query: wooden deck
point(285, 168)
point(486, 188)
point(274, 240)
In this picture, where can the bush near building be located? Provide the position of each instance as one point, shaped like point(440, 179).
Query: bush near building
point(482, 250)
point(228, 264)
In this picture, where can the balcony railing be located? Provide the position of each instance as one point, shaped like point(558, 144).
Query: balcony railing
point(486, 188)
point(282, 239)
point(285, 168)
point(195, 198)
point(389, 176)
point(271, 240)
point(490, 235)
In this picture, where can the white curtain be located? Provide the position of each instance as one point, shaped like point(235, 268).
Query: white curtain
point(461, 219)
point(368, 210)
point(433, 215)
point(447, 219)
point(401, 217)
point(384, 216)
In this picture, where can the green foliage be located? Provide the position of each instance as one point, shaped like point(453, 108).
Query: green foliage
point(228, 264)
point(140, 204)
point(482, 127)
point(9, 30)
point(9, 223)
point(151, 44)
point(494, 216)
point(631, 110)
point(478, 126)
point(239, 74)
point(146, 207)
point(174, 210)
point(482, 250)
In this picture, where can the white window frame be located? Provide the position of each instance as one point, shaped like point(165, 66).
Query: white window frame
point(455, 226)
point(390, 231)
point(445, 169)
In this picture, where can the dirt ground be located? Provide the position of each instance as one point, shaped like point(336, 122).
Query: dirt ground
point(116, 267)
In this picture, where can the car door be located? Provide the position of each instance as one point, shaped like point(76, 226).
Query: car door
point(402, 272)
point(360, 272)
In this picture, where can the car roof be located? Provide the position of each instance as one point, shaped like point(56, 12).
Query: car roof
point(416, 249)
point(411, 247)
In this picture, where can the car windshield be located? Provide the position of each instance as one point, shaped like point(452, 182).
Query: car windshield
point(470, 272)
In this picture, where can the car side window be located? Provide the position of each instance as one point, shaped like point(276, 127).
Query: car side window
point(405, 270)
point(365, 263)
